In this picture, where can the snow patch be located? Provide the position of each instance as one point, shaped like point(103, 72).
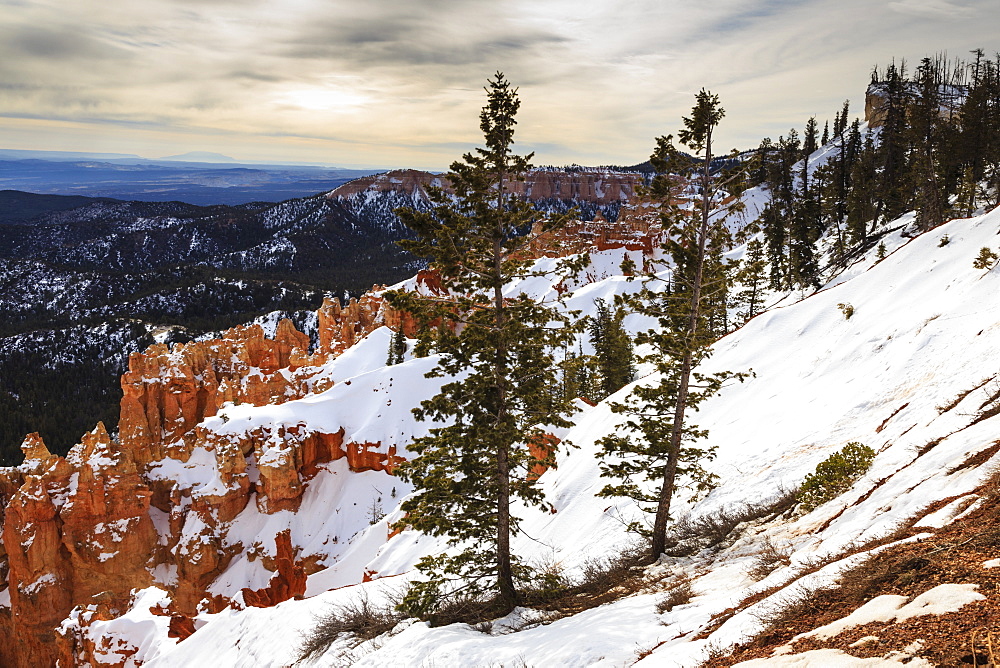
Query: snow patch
point(942, 599)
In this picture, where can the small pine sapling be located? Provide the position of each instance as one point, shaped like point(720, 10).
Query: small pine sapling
point(397, 348)
point(627, 266)
point(986, 259)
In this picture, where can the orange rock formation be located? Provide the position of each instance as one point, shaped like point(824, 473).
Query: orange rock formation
point(289, 580)
point(75, 529)
point(78, 529)
point(596, 186)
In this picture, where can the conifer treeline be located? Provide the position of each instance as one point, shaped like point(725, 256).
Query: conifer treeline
point(936, 150)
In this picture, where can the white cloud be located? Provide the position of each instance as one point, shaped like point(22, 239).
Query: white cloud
point(399, 82)
point(935, 9)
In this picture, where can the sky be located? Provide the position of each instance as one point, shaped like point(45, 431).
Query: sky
point(399, 83)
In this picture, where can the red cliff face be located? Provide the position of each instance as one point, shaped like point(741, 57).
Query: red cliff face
point(289, 579)
point(597, 186)
point(340, 327)
point(167, 392)
point(639, 230)
point(76, 528)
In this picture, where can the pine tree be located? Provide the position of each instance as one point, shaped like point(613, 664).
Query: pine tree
point(397, 348)
point(790, 221)
point(752, 278)
point(809, 138)
point(893, 148)
point(499, 353)
point(657, 447)
point(966, 194)
point(840, 120)
point(925, 136)
point(612, 349)
point(759, 165)
point(579, 378)
point(862, 206)
point(806, 222)
point(773, 225)
point(977, 141)
point(825, 187)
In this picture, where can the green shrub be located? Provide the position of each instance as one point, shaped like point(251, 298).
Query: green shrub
point(835, 475)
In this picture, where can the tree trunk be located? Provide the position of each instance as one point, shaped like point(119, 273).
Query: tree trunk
point(505, 575)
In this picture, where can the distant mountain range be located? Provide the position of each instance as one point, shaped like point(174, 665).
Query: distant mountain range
point(196, 178)
point(200, 156)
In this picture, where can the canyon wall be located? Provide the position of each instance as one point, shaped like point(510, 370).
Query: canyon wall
point(597, 186)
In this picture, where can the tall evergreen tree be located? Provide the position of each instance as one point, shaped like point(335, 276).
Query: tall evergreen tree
point(862, 205)
point(806, 223)
point(827, 205)
point(810, 138)
point(500, 353)
point(786, 225)
point(772, 224)
point(753, 280)
point(845, 111)
point(612, 349)
point(925, 136)
point(893, 149)
point(977, 141)
point(658, 444)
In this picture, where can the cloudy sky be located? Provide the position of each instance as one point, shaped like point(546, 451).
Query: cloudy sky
point(399, 82)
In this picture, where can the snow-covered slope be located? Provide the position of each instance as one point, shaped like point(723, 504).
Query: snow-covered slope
point(911, 373)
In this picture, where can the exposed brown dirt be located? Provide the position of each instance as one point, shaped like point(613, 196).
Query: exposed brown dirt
point(953, 554)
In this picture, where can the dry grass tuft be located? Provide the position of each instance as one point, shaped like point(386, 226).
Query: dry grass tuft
point(360, 619)
point(692, 535)
point(768, 560)
point(679, 593)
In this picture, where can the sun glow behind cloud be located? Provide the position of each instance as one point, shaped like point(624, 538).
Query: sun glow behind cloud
point(399, 82)
point(327, 99)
